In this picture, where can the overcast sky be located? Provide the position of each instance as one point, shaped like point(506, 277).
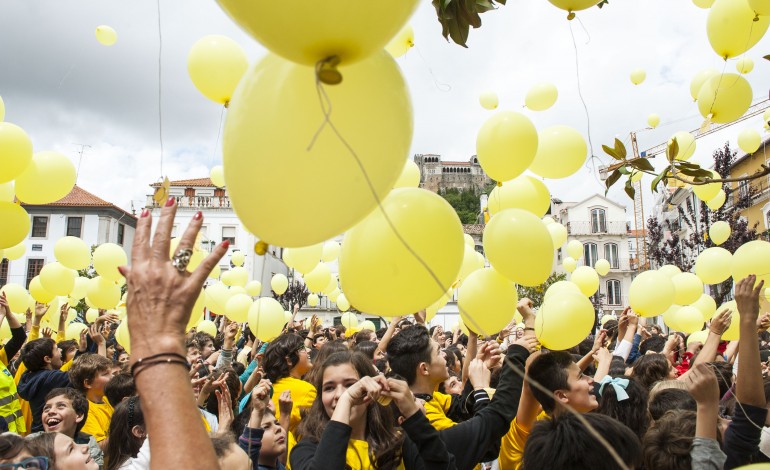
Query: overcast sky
point(64, 88)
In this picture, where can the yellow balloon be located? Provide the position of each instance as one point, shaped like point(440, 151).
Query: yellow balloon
point(342, 303)
point(602, 267)
point(303, 259)
point(216, 64)
point(38, 292)
point(7, 193)
point(106, 35)
point(705, 4)
point(58, 279)
point(486, 301)
point(719, 232)
point(733, 332)
point(713, 265)
point(670, 317)
point(237, 258)
point(410, 176)
point(653, 120)
point(561, 152)
point(569, 264)
point(271, 129)
point(558, 234)
point(574, 5)
point(239, 276)
point(207, 326)
point(541, 96)
point(651, 293)
point(470, 264)
point(91, 315)
point(707, 306)
point(330, 252)
point(227, 278)
point(561, 287)
point(253, 288)
point(506, 145)
point(433, 309)
point(15, 151)
point(349, 320)
point(488, 100)
point(564, 321)
point(103, 293)
point(401, 42)
point(709, 191)
point(318, 278)
point(717, 201)
point(638, 76)
point(216, 296)
point(575, 249)
point(523, 192)
point(237, 308)
point(606, 318)
point(313, 300)
point(749, 140)
point(586, 278)
point(81, 288)
point(752, 258)
point(279, 283)
point(311, 31)
point(331, 286)
point(375, 262)
point(217, 175)
point(15, 222)
point(760, 7)
point(334, 295)
point(518, 246)
point(72, 252)
point(18, 299)
point(686, 143)
point(744, 65)
point(2, 109)
point(725, 97)
point(74, 329)
point(689, 319)
point(699, 79)
point(732, 30)
point(266, 318)
point(107, 258)
point(687, 288)
point(548, 220)
point(49, 177)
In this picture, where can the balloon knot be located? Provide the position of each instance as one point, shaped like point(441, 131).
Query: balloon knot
point(227, 104)
point(326, 71)
point(499, 184)
point(260, 248)
point(571, 16)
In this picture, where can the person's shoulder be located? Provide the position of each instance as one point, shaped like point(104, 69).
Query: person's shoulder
point(300, 384)
point(83, 438)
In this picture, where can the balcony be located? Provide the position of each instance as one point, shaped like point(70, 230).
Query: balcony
point(579, 227)
point(624, 265)
point(196, 202)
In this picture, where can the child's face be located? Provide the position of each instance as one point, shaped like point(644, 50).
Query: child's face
point(580, 396)
point(123, 358)
point(207, 349)
point(70, 354)
point(193, 354)
point(100, 381)
point(274, 438)
point(452, 386)
point(59, 416)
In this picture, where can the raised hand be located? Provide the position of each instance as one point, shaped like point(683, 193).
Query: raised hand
point(479, 374)
point(702, 385)
point(225, 406)
point(747, 298)
point(525, 308)
point(46, 332)
point(5, 309)
point(399, 391)
point(721, 322)
point(285, 403)
point(529, 342)
point(366, 390)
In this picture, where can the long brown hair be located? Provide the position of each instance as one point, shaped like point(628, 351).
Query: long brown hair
point(384, 441)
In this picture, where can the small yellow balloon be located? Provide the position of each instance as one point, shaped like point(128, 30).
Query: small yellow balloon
point(313, 300)
point(725, 97)
point(349, 320)
point(15, 151)
point(586, 278)
point(564, 321)
point(486, 301)
point(38, 292)
point(401, 42)
point(106, 35)
point(107, 258)
point(606, 318)
point(410, 176)
point(744, 65)
point(561, 151)
point(334, 295)
point(332, 285)
point(548, 220)
point(81, 288)
point(653, 120)
point(651, 293)
point(713, 265)
point(330, 252)
point(602, 267)
point(433, 309)
point(16, 225)
point(57, 279)
point(699, 79)
point(638, 76)
point(705, 4)
point(318, 278)
point(254, 288)
point(518, 246)
point(687, 288)
point(216, 296)
point(279, 283)
point(506, 145)
point(709, 191)
point(49, 177)
point(217, 175)
point(523, 192)
point(488, 100)
point(707, 306)
point(239, 276)
point(749, 140)
point(574, 5)
point(575, 249)
point(237, 308)
point(207, 326)
point(72, 252)
point(717, 201)
point(732, 29)
point(719, 232)
point(686, 143)
point(541, 96)
point(74, 329)
point(558, 233)
point(569, 264)
point(237, 258)
point(697, 337)
point(103, 293)
point(18, 299)
point(91, 315)
point(760, 7)
point(752, 258)
point(342, 303)
point(303, 259)
point(216, 64)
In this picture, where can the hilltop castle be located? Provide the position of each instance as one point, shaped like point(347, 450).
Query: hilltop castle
point(437, 175)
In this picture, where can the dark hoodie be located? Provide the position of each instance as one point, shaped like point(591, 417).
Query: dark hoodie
point(34, 386)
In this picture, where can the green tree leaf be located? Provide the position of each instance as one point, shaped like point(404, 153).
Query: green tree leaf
point(672, 149)
point(620, 149)
point(661, 176)
point(630, 189)
point(642, 164)
point(611, 152)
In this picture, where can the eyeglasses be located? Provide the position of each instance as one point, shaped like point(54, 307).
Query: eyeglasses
point(303, 348)
point(40, 463)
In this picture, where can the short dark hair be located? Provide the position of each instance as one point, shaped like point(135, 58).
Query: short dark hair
point(631, 411)
point(67, 344)
point(283, 347)
point(85, 367)
point(192, 343)
point(651, 368)
point(11, 445)
point(119, 387)
point(654, 343)
point(668, 442)
point(617, 366)
point(724, 373)
point(546, 447)
point(670, 399)
point(317, 336)
point(550, 371)
point(78, 400)
point(407, 350)
point(33, 354)
point(367, 348)
point(363, 335)
point(201, 337)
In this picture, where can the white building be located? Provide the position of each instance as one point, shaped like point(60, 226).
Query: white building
point(79, 214)
point(601, 225)
point(670, 204)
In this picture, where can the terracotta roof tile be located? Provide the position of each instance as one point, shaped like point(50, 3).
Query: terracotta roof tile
point(79, 197)
point(204, 182)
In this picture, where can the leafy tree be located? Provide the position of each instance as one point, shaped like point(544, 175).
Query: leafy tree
point(536, 294)
point(465, 203)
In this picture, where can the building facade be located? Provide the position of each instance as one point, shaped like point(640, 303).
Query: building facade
point(79, 214)
point(437, 175)
point(759, 212)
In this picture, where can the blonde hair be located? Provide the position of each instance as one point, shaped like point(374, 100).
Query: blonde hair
point(665, 384)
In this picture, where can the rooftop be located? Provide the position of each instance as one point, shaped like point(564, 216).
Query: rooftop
point(79, 197)
point(199, 182)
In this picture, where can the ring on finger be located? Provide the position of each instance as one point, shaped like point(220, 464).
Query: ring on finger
point(181, 259)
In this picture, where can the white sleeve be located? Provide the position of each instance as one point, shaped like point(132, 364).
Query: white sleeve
point(623, 349)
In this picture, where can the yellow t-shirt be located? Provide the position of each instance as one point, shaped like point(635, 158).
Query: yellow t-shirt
point(357, 456)
point(512, 445)
point(98, 420)
point(302, 394)
point(435, 411)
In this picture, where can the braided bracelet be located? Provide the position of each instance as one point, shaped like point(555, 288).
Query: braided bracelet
point(146, 365)
point(144, 360)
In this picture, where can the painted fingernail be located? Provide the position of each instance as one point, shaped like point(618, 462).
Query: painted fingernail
point(122, 270)
point(170, 201)
point(198, 215)
point(145, 212)
point(226, 244)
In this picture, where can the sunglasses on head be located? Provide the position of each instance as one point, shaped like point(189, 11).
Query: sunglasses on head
point(39, 463)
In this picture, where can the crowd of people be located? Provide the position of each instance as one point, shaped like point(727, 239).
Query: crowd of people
point(407, 396)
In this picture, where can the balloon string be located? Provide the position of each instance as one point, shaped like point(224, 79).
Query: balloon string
point(160, 86)
point(440, 86)
point(716, 91)
point(219, 133)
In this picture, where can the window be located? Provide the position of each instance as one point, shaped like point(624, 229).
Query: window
point(228, 233)
point(39, 226)
point(74, 226)
point(4, 272)
point(121, 233)
point(598, 221)
point(611, 254)
point(590, 254)
point(613, 292)
point(743, 189)
point(34, 265)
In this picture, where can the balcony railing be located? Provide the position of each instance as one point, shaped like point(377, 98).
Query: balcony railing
point(196, 202)
point(624, 265)
point(587, 228)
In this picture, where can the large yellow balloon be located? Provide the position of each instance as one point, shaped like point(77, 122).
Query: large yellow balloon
point(564, 321)
point(49, 177)
point(731, 28)
point(705, 4)
point(749, 140)
point(75, 328)
point(760, 7)
point(717, 201)
point(488, 100)
point(72, 252)
point(279, 283)
point(313, 300)
point(15, 151)
point(707, 306)
point(574, 5)
point(15, 222)
point(471, 262)
point(561, 287)
point(239, 276)
point(375, 262)
point(38, 292)
point(318, 278)
point(713, 265)
point(541, 96)
point(303, 259)
point(410, 176)
point(687, 288)
point(15, 252)
point(752, 258)
point(330, 252)
point(689, 319)
point(58, 279)
point(237, 307)
point(561, 151)
point(486, 301)
point(207, 326)
point(602, 267)
point(266, 318)
point(216, 64)
point(217, 176)
point(349, 320)
point(725, 97)
point(81, 288)
point(699, 79)
point(107, 258)
point(401, 42)
point(506, 145)
point(651, 293)
point(275, 127)
point(253, 288)
point(686, 143)
point(518, 246)
point(558, 233)
point(709, 191)
point(433, 309)
point(523, 192)
point(106, 35)
point(17, 296)
point(575, 249)
point(103, 293)
point(586, 279)
point(215, 297)
point(719, 232)
point(637, 76)
point(697, 337)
